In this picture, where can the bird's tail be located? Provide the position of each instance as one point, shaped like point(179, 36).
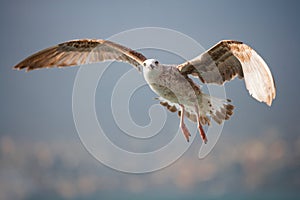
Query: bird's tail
point(219, 109)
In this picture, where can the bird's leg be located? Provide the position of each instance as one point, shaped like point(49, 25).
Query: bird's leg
point(202, 133)
point(183, 127)
point(200, 128)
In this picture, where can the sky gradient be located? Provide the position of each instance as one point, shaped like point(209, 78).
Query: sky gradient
point(41, 154)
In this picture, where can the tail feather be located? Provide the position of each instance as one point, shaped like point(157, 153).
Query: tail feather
point(219, 109)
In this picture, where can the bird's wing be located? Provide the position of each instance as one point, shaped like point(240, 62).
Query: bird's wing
point(79, 52)
point(228, 59)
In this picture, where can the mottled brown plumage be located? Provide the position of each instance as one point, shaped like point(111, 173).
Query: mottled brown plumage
point(178, 92)
point(80, 52)
point(229, 59)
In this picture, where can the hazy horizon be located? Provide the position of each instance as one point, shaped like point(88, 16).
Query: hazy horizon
point(41, 155)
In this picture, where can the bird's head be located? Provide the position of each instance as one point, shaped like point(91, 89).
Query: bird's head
point(152, 68)
point(151, 64)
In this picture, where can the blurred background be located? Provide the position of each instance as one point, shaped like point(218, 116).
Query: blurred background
point(42, 157)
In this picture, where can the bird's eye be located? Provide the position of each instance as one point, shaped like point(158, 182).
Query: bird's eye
point(144, 64)
point(156, 62)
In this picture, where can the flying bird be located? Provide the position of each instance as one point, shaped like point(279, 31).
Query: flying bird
point(177, 91)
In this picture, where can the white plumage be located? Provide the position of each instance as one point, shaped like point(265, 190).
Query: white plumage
point(177, 91)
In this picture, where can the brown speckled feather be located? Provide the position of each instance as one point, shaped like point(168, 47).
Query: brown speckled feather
point(176, 90)
point(79, 52)
point(229, 59)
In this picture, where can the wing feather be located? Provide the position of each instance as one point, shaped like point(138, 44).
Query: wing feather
point(79, 52)
point(229, 59)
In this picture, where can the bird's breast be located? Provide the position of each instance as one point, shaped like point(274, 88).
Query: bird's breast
point(173, 86)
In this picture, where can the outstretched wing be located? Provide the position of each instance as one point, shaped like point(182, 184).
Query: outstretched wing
point(79, 52)
point(228, 59)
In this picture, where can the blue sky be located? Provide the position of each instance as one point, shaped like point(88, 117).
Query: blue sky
point(36, 107)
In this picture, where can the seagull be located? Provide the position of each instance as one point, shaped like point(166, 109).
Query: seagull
point(174, 85)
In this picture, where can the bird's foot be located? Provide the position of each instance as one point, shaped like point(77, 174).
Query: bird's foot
point(185, 132)
point(202, 133)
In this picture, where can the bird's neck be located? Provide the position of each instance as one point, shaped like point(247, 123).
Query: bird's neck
point(152, 75)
